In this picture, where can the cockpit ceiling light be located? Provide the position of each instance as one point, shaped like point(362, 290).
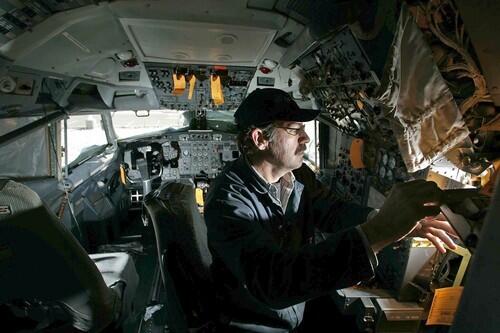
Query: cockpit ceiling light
point(227, 39)
point(269, 63)
point(125, 55)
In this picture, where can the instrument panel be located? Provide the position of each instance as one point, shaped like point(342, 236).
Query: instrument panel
point(234, 85)
point(201, 153)
point(339, 76)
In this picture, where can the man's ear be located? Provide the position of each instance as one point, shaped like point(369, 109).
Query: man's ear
point(258, 139)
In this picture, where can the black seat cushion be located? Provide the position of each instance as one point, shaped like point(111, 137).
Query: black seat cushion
point(41, 261)
point(182, 243)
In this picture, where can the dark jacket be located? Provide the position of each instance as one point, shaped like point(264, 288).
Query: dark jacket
point(266, 263)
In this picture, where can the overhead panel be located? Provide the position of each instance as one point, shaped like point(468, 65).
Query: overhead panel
point(339, 76)
point(192, 87)
point(198, 42)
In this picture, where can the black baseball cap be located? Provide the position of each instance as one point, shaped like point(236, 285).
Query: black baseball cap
point(266, 105)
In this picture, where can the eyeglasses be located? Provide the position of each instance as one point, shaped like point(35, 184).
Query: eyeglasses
point(294, 130)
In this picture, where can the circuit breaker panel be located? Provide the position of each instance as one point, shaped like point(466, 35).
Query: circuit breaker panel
point(339, 77)
point(338, 74)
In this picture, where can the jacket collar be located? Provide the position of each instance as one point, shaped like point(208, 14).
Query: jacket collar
point(250, 176)
point(256, 181)
point(294, 202)
point(257, 184)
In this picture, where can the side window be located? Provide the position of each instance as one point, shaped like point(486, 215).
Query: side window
point(312, 152)
point(28, 155)
point(85, 138)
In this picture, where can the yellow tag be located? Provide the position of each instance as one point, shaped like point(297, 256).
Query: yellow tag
point(444, 306)
point(356, 154)
point(179, 84)
point(199, 197)
point(192, 82)
point(360, 104)
point(123, 179)
point(216, 90)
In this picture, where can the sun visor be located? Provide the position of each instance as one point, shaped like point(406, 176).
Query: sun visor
point(428, 121)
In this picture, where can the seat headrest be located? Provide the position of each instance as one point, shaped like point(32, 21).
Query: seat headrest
point(180, 223)
point(16, 198)
point(175, 190)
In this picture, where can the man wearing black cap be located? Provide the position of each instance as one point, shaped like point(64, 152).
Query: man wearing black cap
point(262, 211)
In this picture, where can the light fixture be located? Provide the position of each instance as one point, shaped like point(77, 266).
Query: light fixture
point(268, 65)
point(125, 55)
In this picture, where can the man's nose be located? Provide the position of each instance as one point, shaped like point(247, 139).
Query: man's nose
point(304, 138)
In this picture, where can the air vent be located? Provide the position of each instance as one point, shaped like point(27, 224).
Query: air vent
point(227, 39)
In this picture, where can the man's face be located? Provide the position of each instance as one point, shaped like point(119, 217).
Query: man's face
point(287, 148)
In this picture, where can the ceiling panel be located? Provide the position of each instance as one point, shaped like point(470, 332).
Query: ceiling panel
point(197, 43)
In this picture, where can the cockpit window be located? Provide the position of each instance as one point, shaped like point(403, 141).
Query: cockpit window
point(312, 151)
point(131, 123)
point(85, 134)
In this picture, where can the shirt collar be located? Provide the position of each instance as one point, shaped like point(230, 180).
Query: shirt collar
point(286, 180)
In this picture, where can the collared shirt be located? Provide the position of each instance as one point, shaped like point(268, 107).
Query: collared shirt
point(282, 189)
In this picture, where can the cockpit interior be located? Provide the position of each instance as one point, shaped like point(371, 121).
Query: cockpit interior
point(116, 117)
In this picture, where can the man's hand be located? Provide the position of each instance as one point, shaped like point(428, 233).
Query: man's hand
point(437, 230)
point(406, 204)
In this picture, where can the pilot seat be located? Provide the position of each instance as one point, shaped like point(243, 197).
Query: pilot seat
point(181, 238)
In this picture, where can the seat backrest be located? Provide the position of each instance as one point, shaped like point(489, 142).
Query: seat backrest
point(185, 260)
point(40, 260)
